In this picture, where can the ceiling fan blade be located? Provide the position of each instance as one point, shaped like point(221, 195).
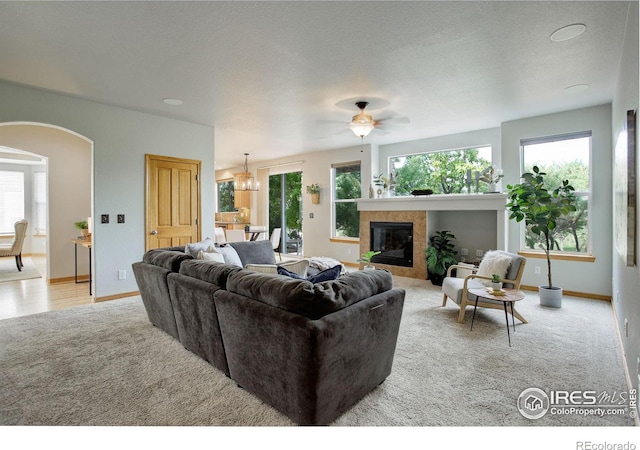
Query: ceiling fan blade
point(379, 131)
point(394, 121)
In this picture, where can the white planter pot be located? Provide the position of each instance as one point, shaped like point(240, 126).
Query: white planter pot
point(551, 298)
point(496, 286)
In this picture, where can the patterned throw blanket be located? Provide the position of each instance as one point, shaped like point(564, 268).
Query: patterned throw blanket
point(324, 262)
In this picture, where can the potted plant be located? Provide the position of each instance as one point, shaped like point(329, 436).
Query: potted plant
point(388, 184)
point(314, 190)
point(440, 255)
point(491, 176)
point(83, 226)
point(496, 282)
point(541, 209)
point(366, 259)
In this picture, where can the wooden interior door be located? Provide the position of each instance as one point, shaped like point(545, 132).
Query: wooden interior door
point(172, 201)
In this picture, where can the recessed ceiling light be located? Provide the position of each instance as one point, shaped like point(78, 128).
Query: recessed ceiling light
point(568, 32)
point(576, 88)
point(172, 101)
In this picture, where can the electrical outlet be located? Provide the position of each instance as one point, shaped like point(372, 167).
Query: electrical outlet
point(104, 218)
point(464, 252)
point(626, 327)
point(310, 215)
point(122, 274)
point(120, 218)
point(479, 253)
point(536, 269)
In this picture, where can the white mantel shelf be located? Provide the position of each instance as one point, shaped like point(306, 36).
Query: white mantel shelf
point(436, 202)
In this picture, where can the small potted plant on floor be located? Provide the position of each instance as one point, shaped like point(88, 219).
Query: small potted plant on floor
point(440, 255)
point(541, 208)
point(366, 259)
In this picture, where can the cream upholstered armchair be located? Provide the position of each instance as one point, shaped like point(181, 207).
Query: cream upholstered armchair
point(457, 289)
point(15, 249)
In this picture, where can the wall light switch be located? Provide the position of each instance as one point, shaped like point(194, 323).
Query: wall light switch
point(104, 218)
point(120, 218)
point(310, 215)
point(479, 253)
point(464, 251)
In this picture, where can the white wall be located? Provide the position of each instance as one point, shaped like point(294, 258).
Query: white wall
point(69, 190)
point(588, 277)
point(626, 280)
point(121, 139)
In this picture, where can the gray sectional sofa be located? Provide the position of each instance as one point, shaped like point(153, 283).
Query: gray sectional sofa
point(309, 350)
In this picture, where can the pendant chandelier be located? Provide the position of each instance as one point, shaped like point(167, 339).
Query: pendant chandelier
point(244, 181)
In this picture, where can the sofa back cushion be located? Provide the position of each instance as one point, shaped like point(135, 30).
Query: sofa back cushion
point(308, 299)
point(167, 259)
point(211, 272)
point(254, 252)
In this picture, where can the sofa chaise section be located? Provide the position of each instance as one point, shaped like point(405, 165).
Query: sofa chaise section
point(310, 350)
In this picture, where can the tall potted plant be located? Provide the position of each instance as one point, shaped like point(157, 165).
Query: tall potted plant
point(541, 208)
point(440, 255)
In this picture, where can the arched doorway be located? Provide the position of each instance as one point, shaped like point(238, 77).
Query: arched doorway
point(70, 186)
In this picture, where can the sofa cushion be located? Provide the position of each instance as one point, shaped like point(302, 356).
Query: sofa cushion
point(230, 255)
point(167, 259)
point(211, 272)
point(194, 248)
point(308, 299)
point(298, 267)
point(254, 252)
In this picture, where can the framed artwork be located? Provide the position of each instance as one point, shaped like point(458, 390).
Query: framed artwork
point(625, 190)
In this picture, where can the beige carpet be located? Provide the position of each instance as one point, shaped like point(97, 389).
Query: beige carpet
point(9, 271)
point(104, 364)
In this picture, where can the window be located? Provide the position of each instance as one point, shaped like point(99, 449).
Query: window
point(443, 172)
point(11, 199)
point(563, 158)
point(346, 189)
point(226, 196)
point(40, 202)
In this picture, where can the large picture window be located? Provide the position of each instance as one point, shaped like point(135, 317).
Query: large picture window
point(346, 190)
point(11, 199)
point(564, 157)
point(443, 172)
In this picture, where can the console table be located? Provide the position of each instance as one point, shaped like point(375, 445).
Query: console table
point(88, 245)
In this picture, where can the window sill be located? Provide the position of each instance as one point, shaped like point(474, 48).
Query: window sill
point(558, 256)
point(345, 240)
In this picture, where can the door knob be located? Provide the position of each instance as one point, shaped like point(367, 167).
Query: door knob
point(154, 232)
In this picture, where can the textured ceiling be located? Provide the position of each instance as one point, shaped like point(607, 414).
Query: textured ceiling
point(270, 77)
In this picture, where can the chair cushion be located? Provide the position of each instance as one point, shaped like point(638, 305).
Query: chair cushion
point(453, 286)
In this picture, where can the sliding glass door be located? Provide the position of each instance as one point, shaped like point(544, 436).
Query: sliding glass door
point(285, 210)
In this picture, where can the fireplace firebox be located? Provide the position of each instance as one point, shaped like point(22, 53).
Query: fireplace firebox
point(394, 241)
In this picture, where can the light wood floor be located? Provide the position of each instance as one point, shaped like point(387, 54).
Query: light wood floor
point(24, 297)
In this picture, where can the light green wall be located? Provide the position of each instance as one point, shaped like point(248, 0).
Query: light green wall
point(121, 138)
point(626, 280)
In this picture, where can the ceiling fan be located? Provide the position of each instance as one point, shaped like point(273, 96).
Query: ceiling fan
point(363, 123)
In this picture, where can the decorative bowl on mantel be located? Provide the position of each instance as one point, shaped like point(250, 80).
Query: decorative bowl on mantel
point(421, 192)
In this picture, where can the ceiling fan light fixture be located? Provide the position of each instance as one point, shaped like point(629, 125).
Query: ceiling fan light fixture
point(362, 124)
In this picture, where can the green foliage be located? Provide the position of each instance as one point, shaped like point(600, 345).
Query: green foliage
point(440, 252)
point(366, 257)
point(81, 225)
point(443, 172)
point(226, 195)
point(495, 278)
point(540, 208)
point(347, 216)
point(292, 199)
point(313, 188)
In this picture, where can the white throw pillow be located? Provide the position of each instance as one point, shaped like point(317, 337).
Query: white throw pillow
point(298, 267)
point(230, 255)
point(211, 256)
point(194, 248)
point(463, 273)
point(494, 262)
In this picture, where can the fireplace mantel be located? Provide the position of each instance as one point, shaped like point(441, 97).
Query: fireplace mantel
point(436, 202)
point(420, 209)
